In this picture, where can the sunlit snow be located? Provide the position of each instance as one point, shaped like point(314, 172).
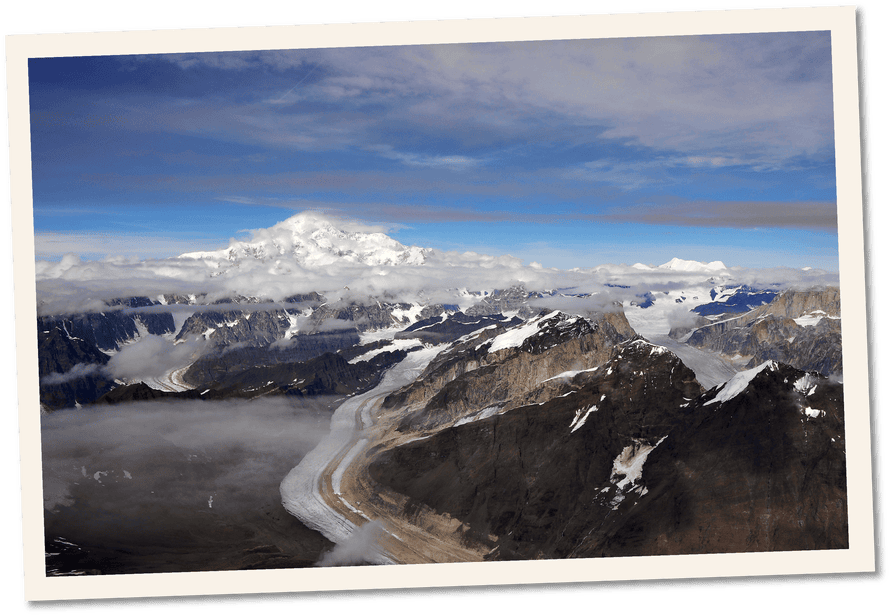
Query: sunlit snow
point(516, 336)
point(395, 345)
point(581, 416)
point(806, 384)
point(739, 382)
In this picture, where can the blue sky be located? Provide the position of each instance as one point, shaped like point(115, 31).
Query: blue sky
point(568, 153)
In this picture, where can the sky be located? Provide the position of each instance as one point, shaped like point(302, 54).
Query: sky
point(565, 153)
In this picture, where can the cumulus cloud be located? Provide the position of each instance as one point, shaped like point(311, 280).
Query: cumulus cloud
point(85, 286)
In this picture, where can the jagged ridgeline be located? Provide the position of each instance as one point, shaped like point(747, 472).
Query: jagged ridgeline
point(178, 345)
point(633, 458)
point(657, 410)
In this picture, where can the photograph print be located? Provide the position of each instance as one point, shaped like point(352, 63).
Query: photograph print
point(465, 302)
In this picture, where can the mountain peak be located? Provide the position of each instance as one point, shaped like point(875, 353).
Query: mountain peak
point(313, 239)
point(692, 266)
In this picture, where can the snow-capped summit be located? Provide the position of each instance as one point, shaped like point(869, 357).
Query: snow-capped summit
point(315, 240)
point(692, 266)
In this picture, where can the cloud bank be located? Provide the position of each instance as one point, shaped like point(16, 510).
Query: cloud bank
point(351, 261)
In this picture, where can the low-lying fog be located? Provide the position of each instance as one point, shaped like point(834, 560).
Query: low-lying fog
point(191, 483)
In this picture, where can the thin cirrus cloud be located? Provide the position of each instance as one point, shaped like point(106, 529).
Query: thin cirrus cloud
point(54, 245)
point(814, 215)
point(682, 93)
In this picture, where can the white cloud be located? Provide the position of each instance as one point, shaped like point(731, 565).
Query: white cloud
point(361, 548)
point(753, 99)
point(73, 285)
point(79, 371)
point(151, 357)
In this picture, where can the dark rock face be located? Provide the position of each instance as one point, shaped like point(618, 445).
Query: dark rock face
point(107, 330)
point(214, 366)
point(329, 374)
point(514, 299)
point(372, 315)
point(815, 347)
point(82, 390)
point(743, 300)
point(482, 371)
point(71, 349)
point(140, 392)
point(258, 327)
point(802, 329)
point(450, 327)
point(225, 328)
point(633, 459)
point(58, 352)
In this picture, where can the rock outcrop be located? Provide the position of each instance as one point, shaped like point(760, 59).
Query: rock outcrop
point(800, 328)
point(632, 458)
point(493, 366)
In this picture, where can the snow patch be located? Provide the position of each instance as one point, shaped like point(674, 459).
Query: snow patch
point(569, 374)
point(655, 350)
point(737, 384)
point(412, 313)
point(629, 463)
point(581, 416)
point(489, 411)
point(806, 384)
point(395, 345)
point(516, 336)
point(812, 318)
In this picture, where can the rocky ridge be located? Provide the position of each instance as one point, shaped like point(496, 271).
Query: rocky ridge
point(632, 458)
point(800, 328)
point(490, 367)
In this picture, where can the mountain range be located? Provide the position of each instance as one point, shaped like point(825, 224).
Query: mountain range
point(673, 409)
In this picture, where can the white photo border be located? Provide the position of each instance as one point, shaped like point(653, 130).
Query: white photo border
point(840, 21)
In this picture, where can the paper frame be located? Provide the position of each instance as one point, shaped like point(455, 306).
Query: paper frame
point(859, 557)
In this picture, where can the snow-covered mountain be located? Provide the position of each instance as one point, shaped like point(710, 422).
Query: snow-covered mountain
point(682, 265)
point(315, 241)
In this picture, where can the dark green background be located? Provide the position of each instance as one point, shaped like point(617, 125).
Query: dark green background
point(58, 14)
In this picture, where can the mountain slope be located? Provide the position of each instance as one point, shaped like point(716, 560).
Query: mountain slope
point(490, 368)
point(632, 460)
point(800, 328)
